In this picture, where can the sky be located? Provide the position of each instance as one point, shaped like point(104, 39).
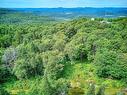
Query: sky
point(61, 3)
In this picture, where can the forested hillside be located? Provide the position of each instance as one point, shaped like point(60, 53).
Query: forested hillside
point(78, 57)
point(9, 16)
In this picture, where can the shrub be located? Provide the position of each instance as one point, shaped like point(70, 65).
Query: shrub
point(91, 89)
point(4, 74)
point(3, 92)
point(101, 91)
point(111, 64)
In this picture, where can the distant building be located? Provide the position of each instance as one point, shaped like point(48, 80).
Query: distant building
point(92, 19)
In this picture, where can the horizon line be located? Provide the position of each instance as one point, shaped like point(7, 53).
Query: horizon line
point(61, 7)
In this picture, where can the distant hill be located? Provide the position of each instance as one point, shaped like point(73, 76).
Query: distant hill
point(26, 15)
point(76, 12)
point(10, 16)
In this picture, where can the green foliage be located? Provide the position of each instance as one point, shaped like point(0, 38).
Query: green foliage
point(111, 64)
point(43, 87)
point(15, 17)
point(25, 68)
point(4, 74)
point(31, 50)
point(4, 70)
point(20, 69)
point(91, 89)
point(76, 91)
point(76, 49)
point(101, 90)
point(53, 64)
point(120, 93)
point(3, 92)
point(62, 87)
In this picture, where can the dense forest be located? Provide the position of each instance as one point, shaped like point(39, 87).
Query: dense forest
point(78, 57)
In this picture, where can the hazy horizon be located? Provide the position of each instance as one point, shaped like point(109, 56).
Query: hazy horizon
point(55, 7)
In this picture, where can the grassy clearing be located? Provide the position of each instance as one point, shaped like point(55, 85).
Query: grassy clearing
point(79, 74)
point(17, 86)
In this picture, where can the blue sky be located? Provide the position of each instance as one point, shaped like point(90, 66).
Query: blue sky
point(61, 3)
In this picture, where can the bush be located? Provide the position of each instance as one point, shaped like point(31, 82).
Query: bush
point(111, 64)
point(101, 91)
point(28, 68)
point(3, 92)
point(4, 74)
point(120, 93)
point(76, 49)
point(43, 87)
point(91, 89)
